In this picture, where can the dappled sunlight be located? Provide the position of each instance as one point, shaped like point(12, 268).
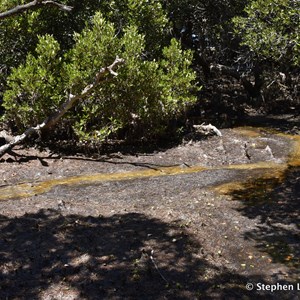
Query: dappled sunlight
point(275, 203)
point(164, 232)
point(105, 257)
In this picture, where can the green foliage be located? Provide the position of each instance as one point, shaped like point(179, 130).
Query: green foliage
point(176, 69)
point(93, 49)
point(147, 15)
point(15, 34)
point(150, 19)
point(145, 94)
point(18, 34)
point(272, 29)
point(35, 87)
point(8, 4)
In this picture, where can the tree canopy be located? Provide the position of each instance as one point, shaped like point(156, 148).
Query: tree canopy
point(155, 84)
point(170, 49)
point(271, 29)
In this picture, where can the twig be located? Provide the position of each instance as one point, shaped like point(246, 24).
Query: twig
point(156, 267)
point(33, 5)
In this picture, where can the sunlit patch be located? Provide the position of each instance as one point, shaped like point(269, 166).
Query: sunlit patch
point(80, 260)
point(294, 156)
point(60, 291)
point(273, 175)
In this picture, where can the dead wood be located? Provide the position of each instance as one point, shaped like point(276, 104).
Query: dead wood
point(33, 5)
point(207, 129)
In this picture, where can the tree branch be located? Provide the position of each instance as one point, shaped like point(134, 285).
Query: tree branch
point(225, 70)
point(33, 5)
point(72, 99)
point(253, 90)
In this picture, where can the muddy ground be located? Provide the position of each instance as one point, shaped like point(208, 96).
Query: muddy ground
point(160, 228)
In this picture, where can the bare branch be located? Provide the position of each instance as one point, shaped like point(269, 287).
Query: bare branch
point(59, 5)
point(251, 89)
point(100, 76)
point(71, 101)
point(33, 5)
point(225, 70)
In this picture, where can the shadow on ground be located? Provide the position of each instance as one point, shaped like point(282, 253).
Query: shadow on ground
point(288, 123)
point(50, 256)
point(277, 205)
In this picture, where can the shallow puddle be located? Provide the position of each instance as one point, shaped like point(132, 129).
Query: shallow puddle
point(270, 178)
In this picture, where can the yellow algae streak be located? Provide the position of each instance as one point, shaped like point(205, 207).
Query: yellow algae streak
point(31, 189)
point(274, 172)
point(248, 131)
point(268, 170)
point(294, 156)
point(24, 190)
point(256, 166)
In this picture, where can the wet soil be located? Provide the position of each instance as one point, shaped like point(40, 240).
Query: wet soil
point(196, 221)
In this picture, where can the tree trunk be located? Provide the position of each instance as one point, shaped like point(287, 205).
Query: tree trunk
point(72, 100)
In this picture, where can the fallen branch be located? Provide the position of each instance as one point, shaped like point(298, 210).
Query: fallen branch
point(33, 5)
point(72, 99)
